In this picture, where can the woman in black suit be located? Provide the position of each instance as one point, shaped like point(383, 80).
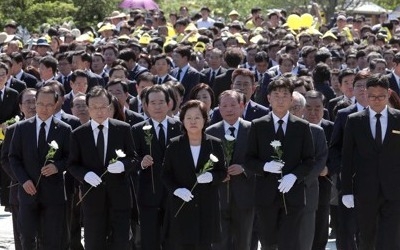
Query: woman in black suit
point(196, 224)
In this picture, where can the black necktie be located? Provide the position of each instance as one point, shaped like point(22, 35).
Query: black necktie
point(378, 130)
point(232, 129)
point(64, 80)
point(279, 133)
point(212, 77)
point(178, 77)
point(159, 80)
point(42, 142)
point(251, 68)
point(161, 135)
point(100, 143)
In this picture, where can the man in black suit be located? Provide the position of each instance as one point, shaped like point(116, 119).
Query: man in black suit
point(11, 81)
point(41, 190)
point(47, 70)
point(184, 73)
point(280, 184)
point(394, 77)
point(346, 227)
point(243, 80)
point(27, 106)
point(162, 65)
point(214, 59)
point(346, 79)
point(82, 60)
point(106, 207)
point(151, 192)
point(237, 190)
point(64, 71)
point(79, 84)
point(370, 170)
point(232, 57)
point(9, 96)
point(119, 89)
point(134, 69)
point(16, 70)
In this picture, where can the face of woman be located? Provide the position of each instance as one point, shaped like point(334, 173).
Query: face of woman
point(205, 97)
point(193, 121)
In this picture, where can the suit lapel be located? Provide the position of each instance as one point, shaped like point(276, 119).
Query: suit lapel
point(389, 128)
point(241, 136)
point(366, 126)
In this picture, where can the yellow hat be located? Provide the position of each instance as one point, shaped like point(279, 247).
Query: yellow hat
point(329, 34)
point(107, 26)
point(86, 37)
point(124, 37)
point(193, 38)
point(239, 38)
point(233, 12)
point(199, 47)
point(190, 27)
point(256, 38)
point(145, 39)
point(314, 31)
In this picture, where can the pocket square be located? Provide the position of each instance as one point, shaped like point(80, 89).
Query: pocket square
point(396, 132)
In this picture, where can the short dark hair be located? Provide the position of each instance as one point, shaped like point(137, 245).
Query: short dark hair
point(146, 76)
point(373, 62)
point(361, 75)
point(243, 72)
point(232, 92)
point(5, 67)
point(321, 73)
point(79, 73)
point(313, 94)
point(344, 73)
point(118, 67)
point(85, 57)
point(261, 56)
point(378, 80)
point(193, 104)
point(97, 91)
point(233, 57)
point(23, 92)
point(184, 51)
point(49, 62)
point(47, 90)
point(280, 83)
point(154, 89)
point(127, 54)
point(118, 81)
point(56, 84)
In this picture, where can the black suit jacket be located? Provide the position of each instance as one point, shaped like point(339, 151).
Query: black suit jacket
point(331, 105)
point(222, 82)
point(206, 77)
point(68, 98)
point(94, 80)
point(136, 71)
point(189, 80)
point(18, 85)
point(133, 104)
point(146, 197)
point(71, 120)
point(242, 186)
point(84, 158)
point(167, 78)
point(25, 163)
point(132, 117)
point(9, 108)
point(5, 164)
point(371, 171)
point(336, 142)
point(325, 184)
point(393, 83)
point(199, 219)
point(298, 155)
point(254, 110)
point(67, 85)
point(29, 80)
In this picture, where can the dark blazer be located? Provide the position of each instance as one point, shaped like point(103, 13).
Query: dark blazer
point(222, 82)
point(71, 120)
point(68, 98)
point(189, 80)
point(84, 158)
point(254, 110)
point(370, 171)
point(29, 80)
point(199, 220)
point(136, 71)
point(25, 163)
point(321, 156)
point(18, 85)
point(206, 77)
point(242, 186)
point(94, 80)
point(146, 197)
point(67, 85)
point(331, 105)
point(5, 164)
point(325, 184)
point(133, 104)
point(393, 83)
point(132, 117)
point(336, 141)
point(325, 89)
point(167, 78)
point(9, 106)
point(298, 155)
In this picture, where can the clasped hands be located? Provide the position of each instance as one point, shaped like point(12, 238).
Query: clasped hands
point(113, 168)
point(287, 181)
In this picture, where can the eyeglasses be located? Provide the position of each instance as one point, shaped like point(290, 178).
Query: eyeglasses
point(377, 97)
point(101, 108)
point(46, 106)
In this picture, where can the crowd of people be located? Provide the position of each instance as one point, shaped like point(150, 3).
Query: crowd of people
point(182, 132)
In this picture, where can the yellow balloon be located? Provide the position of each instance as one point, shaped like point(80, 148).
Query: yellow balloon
point(306, 20)
point(293, 21)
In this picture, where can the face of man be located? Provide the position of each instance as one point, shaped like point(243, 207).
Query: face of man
point(109, 56)
point(77, 63)
point(251, 54)
point(314, 110)
point(262, 66)
point(272, 52)
point(80, 109)
point(161, 66)
point(378, 98)
point(310, 59)
point(296, 108)
point(157, 107)
point(118, 74)
point(3, 77)
point(28, 107)
point(244, 84)
point(360, 92)
point(280, 101)
point(214, 60)
point(286, 66)
point(179, 60)
point(45, 73)
point(230, 108)
point(380, 68)
point(80, 85)
point(142, 85)
point(45, 106)
point(351, 63)
point(97, 64)
point(99, 107)
point(347, 86)
point(117, 91)
point(64, 66)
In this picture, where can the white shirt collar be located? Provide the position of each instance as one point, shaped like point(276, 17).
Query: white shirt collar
point(163, 122)
point(359, 107)
point(19, 75)
point(39, 122)
point(372, 113)
point(235, 125)
point(94, 124)
point(284, 118)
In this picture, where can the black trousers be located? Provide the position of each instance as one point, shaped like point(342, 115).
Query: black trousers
point(43, 218)
point(347, 232)
point(151, 221)
point(17, 235)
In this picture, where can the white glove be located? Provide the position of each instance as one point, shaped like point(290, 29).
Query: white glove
point(287, 183)
point(273, 167)
point(116, 167)
point(348, 200)
point(205, 178)
point(92, 178)
point(184, 194)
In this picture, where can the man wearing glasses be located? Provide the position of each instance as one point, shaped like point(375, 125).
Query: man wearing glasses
point(370, 168)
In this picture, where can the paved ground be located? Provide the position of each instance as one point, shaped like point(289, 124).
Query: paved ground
point(7, 237)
